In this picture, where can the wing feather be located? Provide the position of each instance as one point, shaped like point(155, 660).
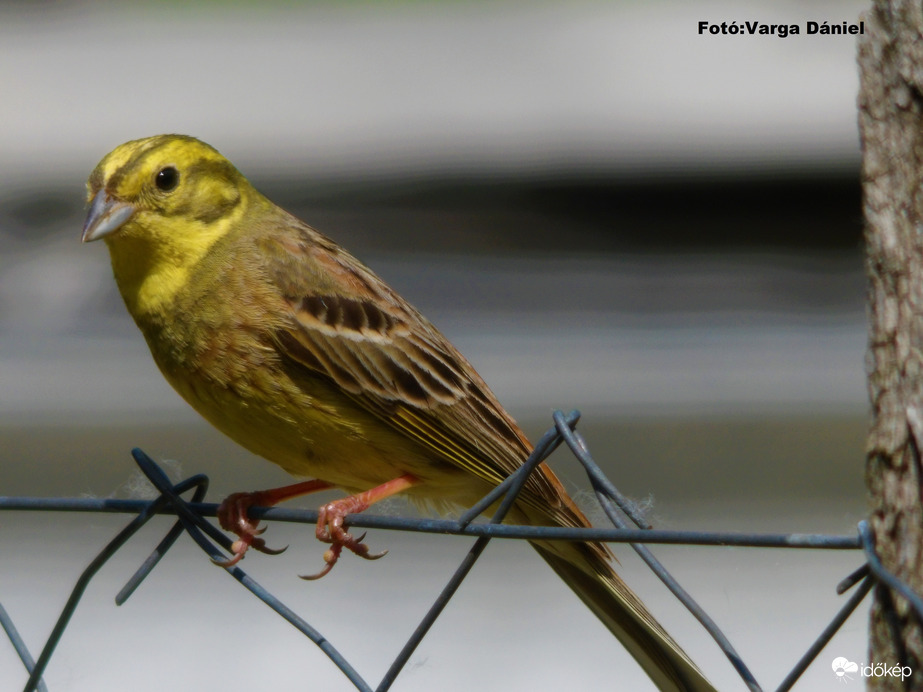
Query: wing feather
point(349, 326)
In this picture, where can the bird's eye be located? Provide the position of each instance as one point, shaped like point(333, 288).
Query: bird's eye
point(166, 179)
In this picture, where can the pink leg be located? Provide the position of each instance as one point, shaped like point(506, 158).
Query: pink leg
point(232, 516)
point(330, 527)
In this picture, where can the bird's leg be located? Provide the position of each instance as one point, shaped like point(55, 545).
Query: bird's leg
point(330, 527)
point(232, 515)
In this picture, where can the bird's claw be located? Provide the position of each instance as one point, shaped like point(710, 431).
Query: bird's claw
point(331, 555)
point(330, 530)
point(232, 516)
point(362, 550)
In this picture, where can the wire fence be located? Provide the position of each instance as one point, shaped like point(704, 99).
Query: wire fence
point(193, 514)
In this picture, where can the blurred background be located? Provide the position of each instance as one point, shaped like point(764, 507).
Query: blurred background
point(602, 208)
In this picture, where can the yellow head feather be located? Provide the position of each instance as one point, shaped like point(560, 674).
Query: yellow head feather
point(160, 203)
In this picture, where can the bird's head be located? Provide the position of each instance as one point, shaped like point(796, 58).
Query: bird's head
point(144, 184)
point(160, 203)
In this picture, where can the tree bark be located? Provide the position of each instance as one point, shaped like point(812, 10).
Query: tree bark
point(890, 57)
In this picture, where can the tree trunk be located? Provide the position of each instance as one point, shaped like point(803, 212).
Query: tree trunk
point(891, 128)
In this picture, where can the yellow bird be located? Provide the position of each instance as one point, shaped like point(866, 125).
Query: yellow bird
point(297, 351)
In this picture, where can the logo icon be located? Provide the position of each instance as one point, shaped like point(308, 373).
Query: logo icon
point(842, 667)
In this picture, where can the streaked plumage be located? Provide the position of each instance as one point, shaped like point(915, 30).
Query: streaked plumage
point(297, 351)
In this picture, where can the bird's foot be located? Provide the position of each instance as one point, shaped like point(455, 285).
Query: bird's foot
point(330, 530)
point(233, 517)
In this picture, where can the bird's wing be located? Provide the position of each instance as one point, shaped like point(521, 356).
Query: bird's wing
point(351, 327)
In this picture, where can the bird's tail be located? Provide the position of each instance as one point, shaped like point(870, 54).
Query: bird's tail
point(625, 616)
point(601, 589)
point(586, 568)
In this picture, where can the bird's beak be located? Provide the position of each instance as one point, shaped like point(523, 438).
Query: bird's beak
point(107, 215)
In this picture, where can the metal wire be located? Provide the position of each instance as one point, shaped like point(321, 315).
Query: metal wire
point(7, 623)
point(607, 493)
point(192, 519)
point(815, 541)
